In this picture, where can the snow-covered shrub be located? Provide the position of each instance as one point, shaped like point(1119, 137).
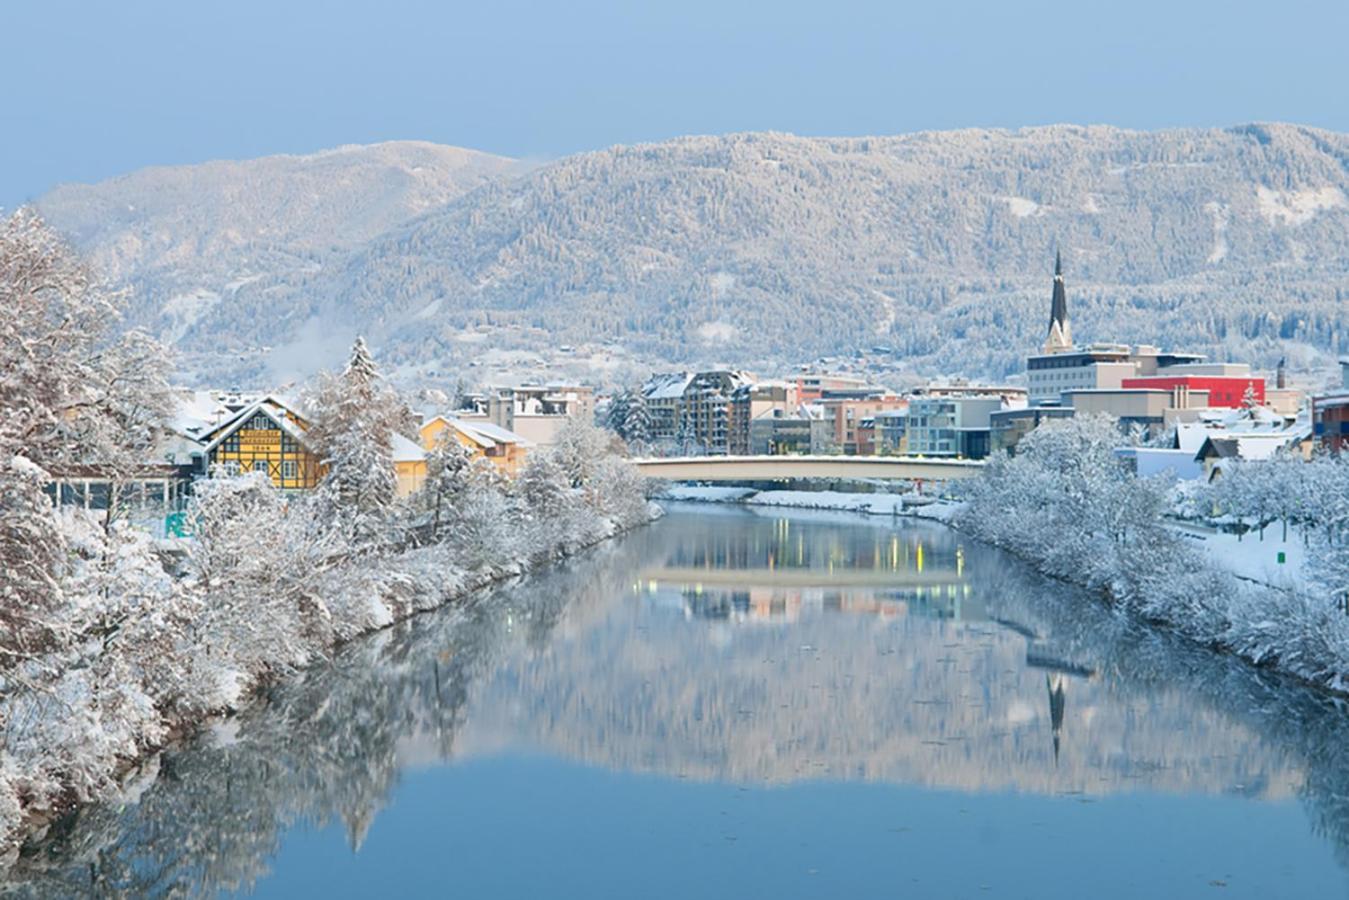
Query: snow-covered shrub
point(1065, 504)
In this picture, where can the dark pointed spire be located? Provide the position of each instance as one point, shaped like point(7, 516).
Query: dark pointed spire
point(1057, 703)
point(1060, 336)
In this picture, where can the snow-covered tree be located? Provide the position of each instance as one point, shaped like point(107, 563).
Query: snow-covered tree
point(448, 478)
point(354, 418)
point(578, 449)
point(637, 422)
point(71, 394)
point(616, 416)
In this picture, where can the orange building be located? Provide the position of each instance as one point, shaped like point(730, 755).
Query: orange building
point(504, 449)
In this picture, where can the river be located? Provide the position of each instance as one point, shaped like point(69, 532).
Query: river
point(734, 703)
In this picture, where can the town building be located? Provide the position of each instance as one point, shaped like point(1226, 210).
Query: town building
point(502, 448)
point(409, 465)
point(267, 436)
point(891, 427)
point(812, 386)
point(1008, 426)
point(1228, 385)
point(664, 396)
point(534, 412)
point(1330, 420)
point(1149, 408)
point(848, 409)
point(755, 401)
point(951, 425)
point(1063, 367)
point(707, 408)
point(804, 431)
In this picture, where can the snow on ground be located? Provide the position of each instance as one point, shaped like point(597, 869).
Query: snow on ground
point(1297, 207)
point(1219, 213)
point(1250, 557)
point(1022, 207)
point(716, 332)
point(185, 310)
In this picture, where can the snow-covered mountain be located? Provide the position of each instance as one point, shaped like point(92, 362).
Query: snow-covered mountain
point(188, 238)
point(753, 248)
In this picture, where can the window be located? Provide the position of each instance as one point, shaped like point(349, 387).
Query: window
point(260, 465)
point(289, 470)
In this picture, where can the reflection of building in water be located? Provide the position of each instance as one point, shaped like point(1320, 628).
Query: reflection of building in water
point(1055, 683)
point(781, 605)
point(790, 546)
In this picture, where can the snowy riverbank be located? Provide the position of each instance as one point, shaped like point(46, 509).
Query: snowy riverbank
point(82, 738)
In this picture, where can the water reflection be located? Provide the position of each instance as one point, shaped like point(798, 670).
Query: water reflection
point(733, 647)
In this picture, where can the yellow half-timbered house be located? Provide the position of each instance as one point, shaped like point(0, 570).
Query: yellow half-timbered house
point(266, 436)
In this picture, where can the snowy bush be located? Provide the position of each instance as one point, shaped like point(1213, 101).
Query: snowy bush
point(1064, 503)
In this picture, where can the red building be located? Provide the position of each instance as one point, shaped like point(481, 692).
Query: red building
point(1330, 421)
point(1225, 391)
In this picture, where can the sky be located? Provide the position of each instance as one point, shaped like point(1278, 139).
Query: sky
point(94, 89)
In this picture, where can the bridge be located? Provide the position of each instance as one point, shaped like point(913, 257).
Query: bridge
point(781, 468)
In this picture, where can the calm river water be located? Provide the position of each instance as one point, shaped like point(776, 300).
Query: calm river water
point(744, 704)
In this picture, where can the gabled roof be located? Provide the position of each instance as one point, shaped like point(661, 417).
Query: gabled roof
point(1247, 446)
point(405, 450)
point(484, 434)
point(271, 407)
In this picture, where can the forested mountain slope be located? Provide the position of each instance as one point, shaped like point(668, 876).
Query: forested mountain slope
point(763, 248)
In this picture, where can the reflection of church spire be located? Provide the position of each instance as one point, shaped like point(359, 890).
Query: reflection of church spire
point(1056, 700)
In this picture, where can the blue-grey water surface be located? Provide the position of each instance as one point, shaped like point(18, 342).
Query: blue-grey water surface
point(737, 704)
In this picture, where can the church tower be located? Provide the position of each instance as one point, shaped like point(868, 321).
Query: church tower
point(1060, 333)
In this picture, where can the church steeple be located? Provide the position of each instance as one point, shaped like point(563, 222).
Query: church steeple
point(1060, 336)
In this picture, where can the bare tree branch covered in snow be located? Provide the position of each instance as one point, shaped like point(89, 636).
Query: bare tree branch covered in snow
point(111, 642)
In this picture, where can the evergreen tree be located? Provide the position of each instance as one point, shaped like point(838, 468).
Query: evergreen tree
point(637, 421)
point(448, 471)
point(354, 420)
point(616, 420)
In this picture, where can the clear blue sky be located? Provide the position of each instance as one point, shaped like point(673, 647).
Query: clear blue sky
point(96, 89)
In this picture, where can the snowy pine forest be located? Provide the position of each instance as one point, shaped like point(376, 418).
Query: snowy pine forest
point(113, 643)
point(757, 250)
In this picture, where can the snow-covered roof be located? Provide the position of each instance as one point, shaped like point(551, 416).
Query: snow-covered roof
point(1246, 446)
point(270, 407)
point(405, 450)
point(197, 412)
point(1327, 400)
point(484, 434)
point(499, 434)
point(667, 387)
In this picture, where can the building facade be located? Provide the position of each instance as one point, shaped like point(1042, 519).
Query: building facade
point(951, 426)
point(267, 436)
point(755, 401)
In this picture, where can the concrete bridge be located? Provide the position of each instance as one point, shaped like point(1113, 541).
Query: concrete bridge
point(781, 468)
